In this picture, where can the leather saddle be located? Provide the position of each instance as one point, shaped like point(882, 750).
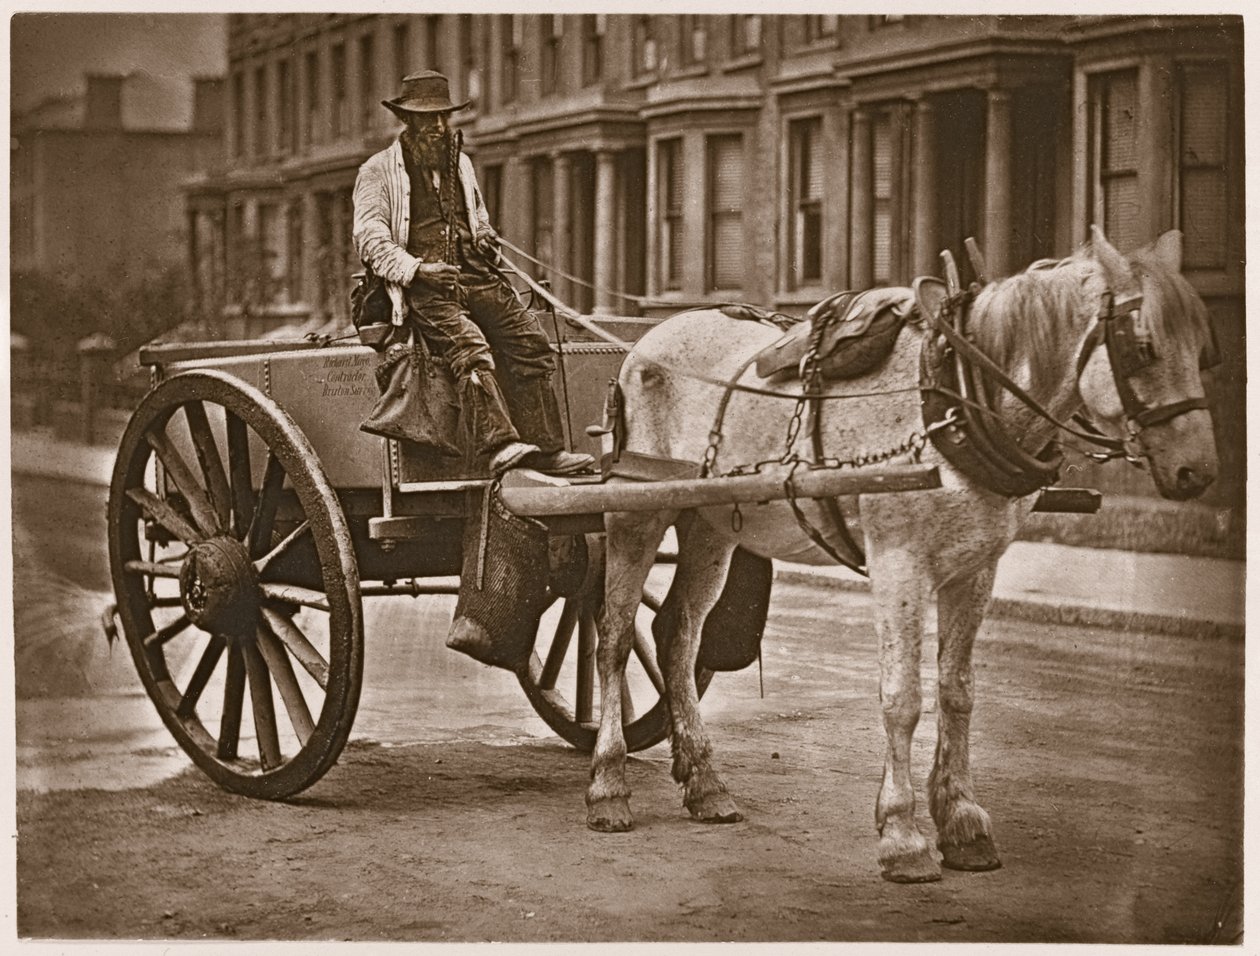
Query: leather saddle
point(858, 332)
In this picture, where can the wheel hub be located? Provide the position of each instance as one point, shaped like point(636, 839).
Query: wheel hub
point(219, 587)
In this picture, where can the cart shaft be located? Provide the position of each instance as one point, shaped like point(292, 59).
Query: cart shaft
point(527, 495)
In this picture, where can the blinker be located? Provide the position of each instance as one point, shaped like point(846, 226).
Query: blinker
point(1129, 342)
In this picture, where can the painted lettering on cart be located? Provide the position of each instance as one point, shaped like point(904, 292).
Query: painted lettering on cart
point(348, 376)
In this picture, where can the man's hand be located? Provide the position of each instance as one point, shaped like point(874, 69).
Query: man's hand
point(438, 275)
point(488, 245)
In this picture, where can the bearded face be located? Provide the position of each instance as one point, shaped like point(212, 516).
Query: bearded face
point(429, 138)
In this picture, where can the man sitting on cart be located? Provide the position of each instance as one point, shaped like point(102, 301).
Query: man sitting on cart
point(421, 225)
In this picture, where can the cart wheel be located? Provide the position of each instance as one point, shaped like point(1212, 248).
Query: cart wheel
point(557, 667)
point(232, 562)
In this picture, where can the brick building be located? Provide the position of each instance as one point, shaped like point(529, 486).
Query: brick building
point(95, 179)
point(771, 159)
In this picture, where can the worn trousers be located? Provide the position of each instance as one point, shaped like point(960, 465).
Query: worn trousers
point(481, 328)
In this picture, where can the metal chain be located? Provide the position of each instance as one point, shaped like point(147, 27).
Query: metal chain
point(912, 446)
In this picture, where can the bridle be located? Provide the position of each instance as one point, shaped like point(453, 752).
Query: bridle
point(1130, 349)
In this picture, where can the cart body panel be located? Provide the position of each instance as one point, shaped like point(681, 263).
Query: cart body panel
point(330, 391)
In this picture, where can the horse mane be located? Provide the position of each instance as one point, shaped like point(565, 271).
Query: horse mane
point(1030, 317)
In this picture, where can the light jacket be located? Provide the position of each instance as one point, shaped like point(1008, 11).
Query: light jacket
point(382, 212)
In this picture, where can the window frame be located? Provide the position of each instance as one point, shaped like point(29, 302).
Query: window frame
point(550, 32)
point(798, 206)
point(819, 28)
point(712, 216)
point(1224, 168)
point(509, 57)
point(340, 95)
point(367, 80)
point(668, 153)
point(644, 47)
point(1100, 174)
point(693, 41)
point(594, 28)
point(542, 174)
point(741, 46)
point(262, 142)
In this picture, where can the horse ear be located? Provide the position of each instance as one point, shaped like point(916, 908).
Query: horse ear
point(1119, 276)
point(1167, 249)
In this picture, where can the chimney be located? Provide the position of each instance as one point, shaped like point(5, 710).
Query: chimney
point(207, 104)
point(104, 102)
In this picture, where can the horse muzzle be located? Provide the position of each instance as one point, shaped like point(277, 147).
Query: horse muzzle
point(1182, 455)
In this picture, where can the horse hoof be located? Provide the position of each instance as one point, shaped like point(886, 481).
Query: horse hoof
point(715, 808)
point(976, 857)
point(914, 868)
point(610, 815)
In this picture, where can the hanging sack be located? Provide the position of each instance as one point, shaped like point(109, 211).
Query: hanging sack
point(371, 310)
point(418, 402)
point(502, 584)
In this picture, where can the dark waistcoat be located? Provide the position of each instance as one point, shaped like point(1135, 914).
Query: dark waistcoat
point(434, 216)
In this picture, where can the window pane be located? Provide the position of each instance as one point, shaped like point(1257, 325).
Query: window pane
point(669, 236)
point(726, 227)
point(882, 160)
point(1120, 199)
point(805, 213)
point(1120, 119)
point(727, 167)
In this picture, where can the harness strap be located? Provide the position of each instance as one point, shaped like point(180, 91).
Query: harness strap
point(973, 355)
point(1164, 413)
point(855, 559)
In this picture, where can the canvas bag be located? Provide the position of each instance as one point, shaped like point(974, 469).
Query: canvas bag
point(418, 401)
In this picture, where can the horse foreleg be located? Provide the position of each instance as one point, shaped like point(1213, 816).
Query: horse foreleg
point(632, 540)
point(901, 592)
point(704, 558)
point(964, 835)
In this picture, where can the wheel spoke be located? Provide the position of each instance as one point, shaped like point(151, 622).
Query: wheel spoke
point(264, 708)
point(233, 698)
point(156, 509)
point(294, 594)
point(208, 458)
point(166, 632)
point(261, 563)
point(643, 651)
point(201, 676)
point(265, 505)
point(584, 701)
point(241, 479)
point(286, 682)
point(559, 645)
point(628, 715)
point(179, 472)
point(152, 568)
point(302, 649)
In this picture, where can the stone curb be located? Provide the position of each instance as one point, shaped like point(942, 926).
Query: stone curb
point(1053, 612)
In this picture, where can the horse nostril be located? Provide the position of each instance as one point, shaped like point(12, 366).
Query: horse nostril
point(1192, 480)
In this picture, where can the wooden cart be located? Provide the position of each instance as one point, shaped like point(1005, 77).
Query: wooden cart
point(245, 491)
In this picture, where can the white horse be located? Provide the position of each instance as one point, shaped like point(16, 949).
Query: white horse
point(1039, 326)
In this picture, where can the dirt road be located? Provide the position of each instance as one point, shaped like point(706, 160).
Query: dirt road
point(1111, 764)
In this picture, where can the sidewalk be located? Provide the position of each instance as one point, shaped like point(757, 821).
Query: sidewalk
point(1050, 583)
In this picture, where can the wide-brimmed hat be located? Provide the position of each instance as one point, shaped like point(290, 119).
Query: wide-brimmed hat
point(425, 92)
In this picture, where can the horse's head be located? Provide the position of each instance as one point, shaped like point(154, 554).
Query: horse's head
point(1145, 366)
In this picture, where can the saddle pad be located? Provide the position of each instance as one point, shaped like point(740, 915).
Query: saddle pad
point(852, 344)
